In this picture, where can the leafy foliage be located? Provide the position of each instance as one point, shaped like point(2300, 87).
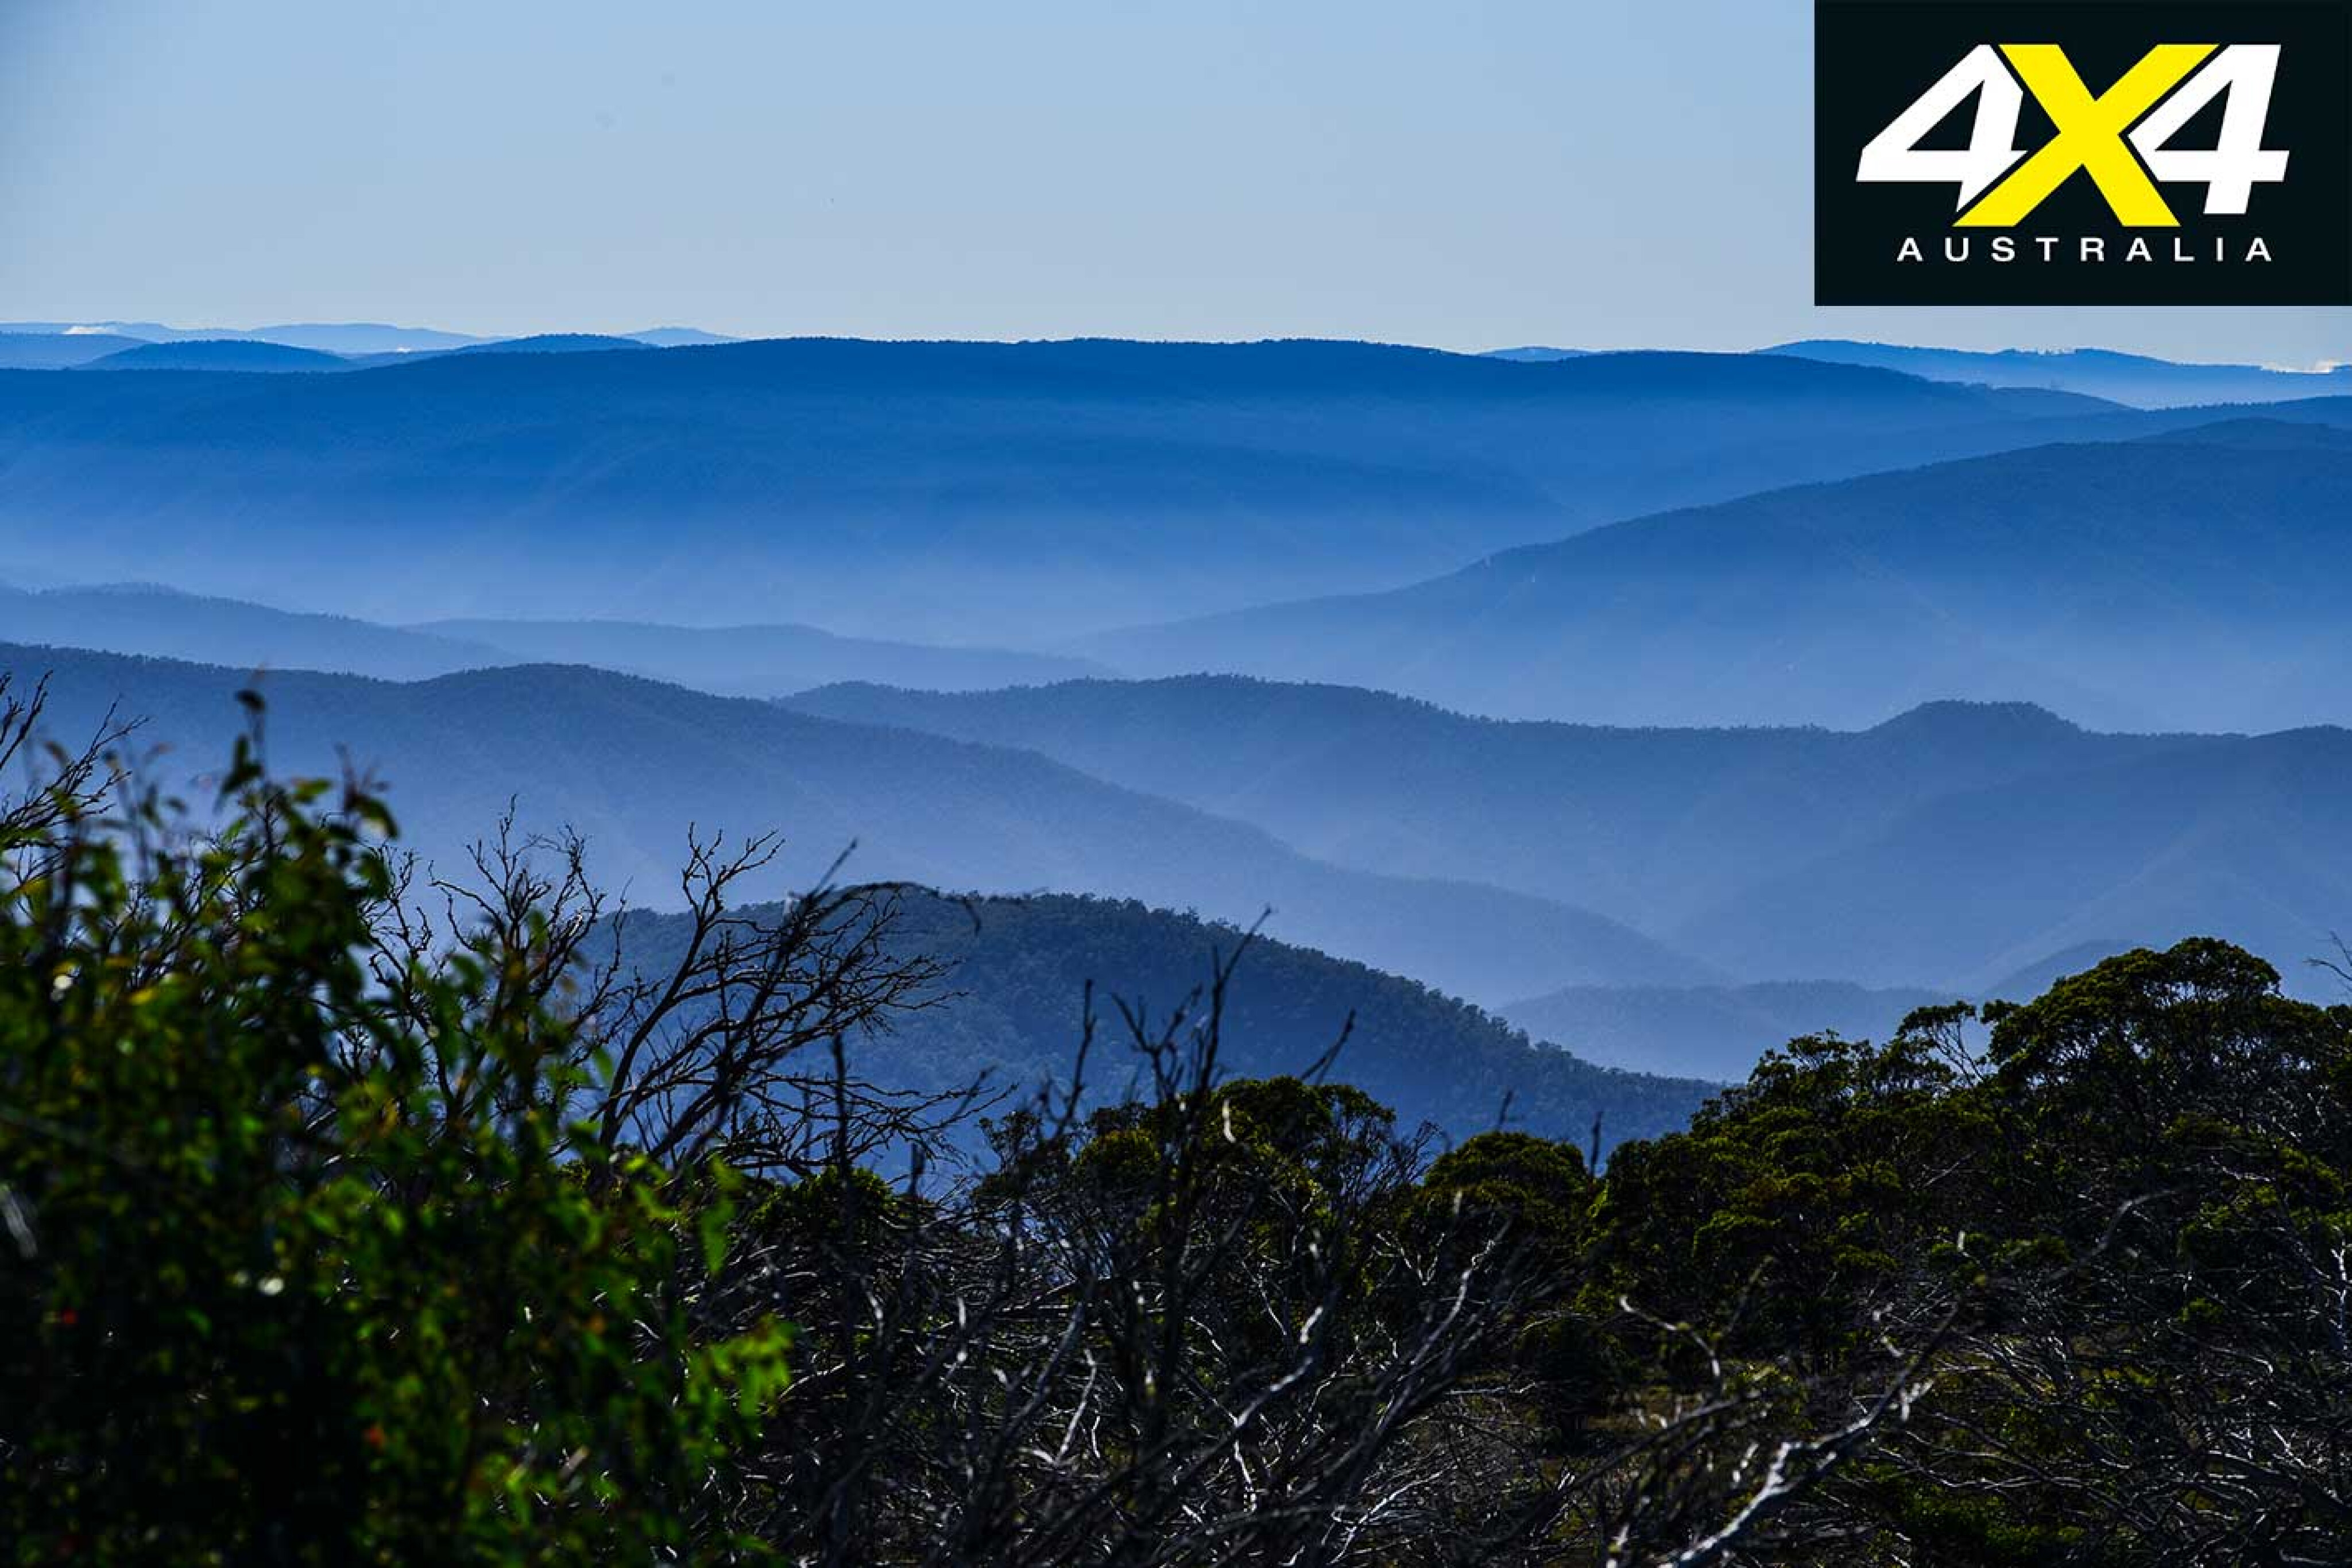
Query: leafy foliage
point(2121, 1238)
point(288, 1278)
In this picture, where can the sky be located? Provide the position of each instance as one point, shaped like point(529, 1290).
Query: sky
point(1608, 173)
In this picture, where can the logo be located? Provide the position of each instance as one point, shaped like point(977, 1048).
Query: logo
point(2085, 153)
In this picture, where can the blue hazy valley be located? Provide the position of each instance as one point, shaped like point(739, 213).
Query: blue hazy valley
point(1655, 706)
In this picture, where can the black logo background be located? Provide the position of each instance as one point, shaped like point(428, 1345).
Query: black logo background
point(1872, 57)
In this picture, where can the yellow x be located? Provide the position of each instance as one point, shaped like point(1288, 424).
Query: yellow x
point(2090, 135)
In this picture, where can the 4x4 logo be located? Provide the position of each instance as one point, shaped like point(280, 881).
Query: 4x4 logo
point(2097, 133)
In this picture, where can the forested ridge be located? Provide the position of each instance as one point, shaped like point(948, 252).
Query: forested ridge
point(1010, 1003)
point(354, 1210)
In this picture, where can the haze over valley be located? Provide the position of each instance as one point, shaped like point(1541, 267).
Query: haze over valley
point(960, 488)
point(1664, 706)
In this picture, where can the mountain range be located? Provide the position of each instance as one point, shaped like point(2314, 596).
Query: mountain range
point(747, 661)
point(1948, 847)
point(979, 492)
point(357, 340)
point(329, 337)
point(2139, 380)
point(758, 661)
point(1754, 854)
point(634, 766)
point(2173, 581)
point(2133, 379)
point(1444, 604)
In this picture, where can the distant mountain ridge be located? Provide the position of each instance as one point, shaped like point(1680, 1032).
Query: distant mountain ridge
point(986, 492)
point(2257, 432)
point(143, 619)
point(632, 764)
point(2133, 379)
point(740, 660)
point(52, 345)
point(1947, 847)
point(2141, 584)
point(554, 343)
point(238, 354)
point(355, 337)
point(329, 337)
point(58, 350)
point(758, 661)
point(1536, 354)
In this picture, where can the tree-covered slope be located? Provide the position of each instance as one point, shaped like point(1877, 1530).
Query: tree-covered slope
point(242, 355)
point(1012, 1007)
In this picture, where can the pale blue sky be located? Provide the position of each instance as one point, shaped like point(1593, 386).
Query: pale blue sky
point(1470, 174)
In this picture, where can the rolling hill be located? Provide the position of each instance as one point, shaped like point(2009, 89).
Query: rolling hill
point(2242, 837)
point(142, 618)
point(984, 492)
point(553, 343)
point(1657, 824)
point(634, 765)
point(746, 660)
point(757, 661)
point(2257, 433)
point(1945, 848)
point(2152, 584)
point(240, 354)
point(1013, 1004)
